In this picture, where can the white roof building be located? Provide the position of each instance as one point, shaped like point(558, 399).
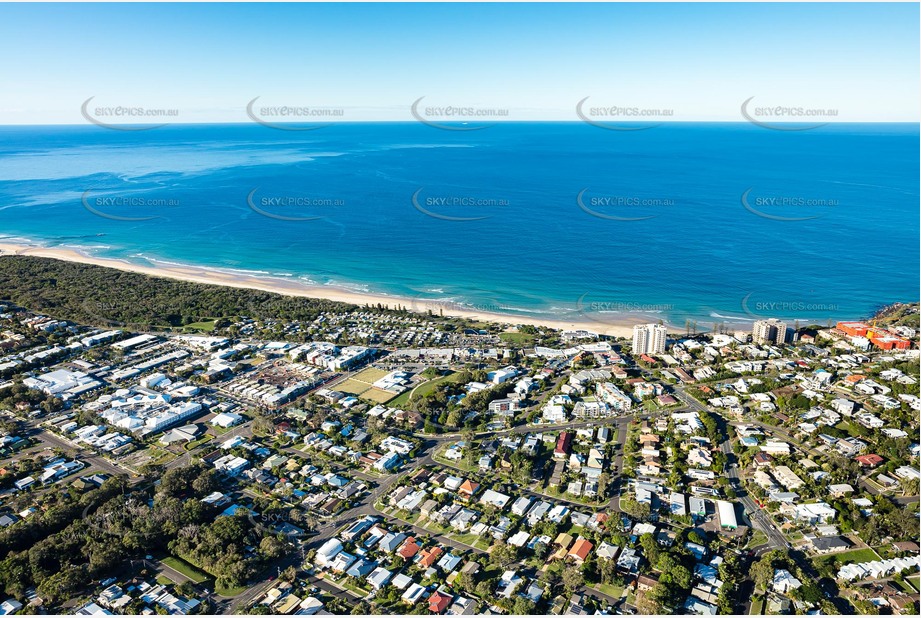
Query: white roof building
point(784, 582)
point(226, 419)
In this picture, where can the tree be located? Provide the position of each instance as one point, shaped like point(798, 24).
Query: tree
point(263, 426)
point(604, 479)
point(650, 548)
point(572, 579)
point(62, 585)
point(362, 608)
point(455, 417)
point(522, 606)
point(607, 570)
point(186, 589)
point(289, 575)
point(762, 571)
point(551, 575)
point(466, 581)
point(808, 592)
point(271, 548)
point(502, 554)
point(634, 509)
point(206, 483)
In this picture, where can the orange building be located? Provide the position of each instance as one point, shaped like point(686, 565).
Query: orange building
point(885, 340)
point(430, 556)
point(467, 489)
point(580, 550)
point(854, 329)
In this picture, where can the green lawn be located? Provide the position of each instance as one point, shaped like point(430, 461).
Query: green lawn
point(164, 580)
point(758, 538)
point(230, 592)
point(757, 607)
point(519, 339)
point(196, 443)
point(611, 590)
point(160, 456)
point(857, 555)
point(400, 400)
point(466, 539)
point(904, 585)
point(220, 431)
point(207, 326)
point(574, 530)
point(186, 569)
point(463, 465)
point(422, 389)
point(344, 583)
point(914, 580)
point(411, 517)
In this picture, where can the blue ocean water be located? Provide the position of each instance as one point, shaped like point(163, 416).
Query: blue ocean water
point(703, 221)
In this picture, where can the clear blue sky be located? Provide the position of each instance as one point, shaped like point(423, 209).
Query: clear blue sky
point(536, 60)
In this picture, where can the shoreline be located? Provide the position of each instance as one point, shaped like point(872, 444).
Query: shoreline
point(267, 283)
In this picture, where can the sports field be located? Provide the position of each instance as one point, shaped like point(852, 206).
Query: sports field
point(360, 385)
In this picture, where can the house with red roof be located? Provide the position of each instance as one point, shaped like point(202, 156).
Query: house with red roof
point(467, 489)
point(580, 550)
point(563, 445)
point(870, 460)
point(439, 602)
point(430, 556)
point(409, 548)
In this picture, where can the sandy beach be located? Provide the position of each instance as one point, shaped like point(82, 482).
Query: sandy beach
point(293, 288)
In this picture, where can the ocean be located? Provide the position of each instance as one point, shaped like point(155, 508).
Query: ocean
point(710, 222)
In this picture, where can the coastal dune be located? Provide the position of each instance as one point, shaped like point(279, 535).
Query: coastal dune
point(293, 288)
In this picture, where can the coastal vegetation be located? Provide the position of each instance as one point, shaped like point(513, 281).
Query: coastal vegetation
point(102, 296)
point(113, 298)
point(897, 314)
point(81, 538)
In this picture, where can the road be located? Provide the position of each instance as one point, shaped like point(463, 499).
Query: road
point(75, 451)
point(620, 440)
point(168, 571)
point(779, 432)
point(330, 527)
point(758, 518)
